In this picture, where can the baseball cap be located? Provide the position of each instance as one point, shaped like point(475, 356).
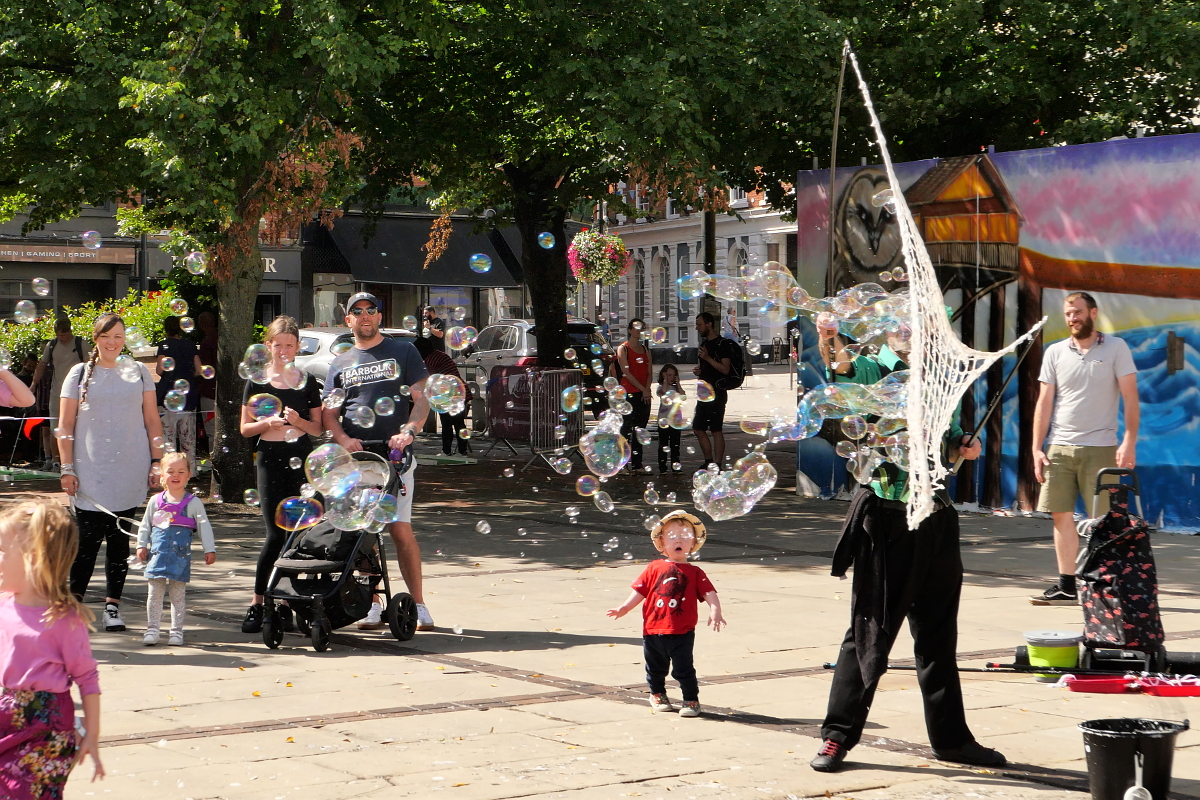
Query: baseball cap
point(357, 298)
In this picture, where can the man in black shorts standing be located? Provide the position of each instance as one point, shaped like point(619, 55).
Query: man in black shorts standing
point(715, 363)
point(377, 367)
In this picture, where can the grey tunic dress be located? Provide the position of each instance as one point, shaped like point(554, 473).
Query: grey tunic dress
point(112, 446)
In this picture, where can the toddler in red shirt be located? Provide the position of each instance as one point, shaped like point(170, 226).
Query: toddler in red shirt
point(672, 588)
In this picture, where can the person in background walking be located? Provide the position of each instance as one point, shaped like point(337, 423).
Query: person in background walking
point(634, 360)
point(178, 359)
point(439, 363)
point(431, 336)
point(111, 443)
point(1084, 378)
point(59, 354)
point(280, 440)
point(668, 437)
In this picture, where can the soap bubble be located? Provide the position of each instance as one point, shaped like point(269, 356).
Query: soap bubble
point(561, 465)
point(195, 262)
point(845, 448)
point(264, 405)
point(755, 427)
point(650, 496)
point(5, 358)
point(41, 287)
point(898, 274)
point(409, 323)
point(446, 393)
point(886, 276)
point(162, 518)
point(168, 364)
point(649, 522)
point(361, 416)
point(337, 348)
point(327, 464)
point(461, 338)
point(546, 240)
point(704, 392)
point(623, 407)
point(25, 311)
point(334, 399)
point(175, 401)
point(854, 426)
point(597, 366)
point(627, 556)
point(603, 501)
point(295, 463)
point(734, 493)
point(464, 433)
point(658, 335)
point(292, 434)
point(181, 385)
point(586, 486)
point(459, 313)
point(129, 369)
point(250, 497)
point(387, 511)
point(753, 347)
point(605, 452)
point(91, 240)
point(480, 262)
point(508, 472)
point(569, 354)
point(671, 495)
point(572, 511)
point(292, 376)
point(178, 306)
point(307, 490)
point(885, 199)
point(643, 435)
point(483, 526)
point(385, 406)
point(135, 339)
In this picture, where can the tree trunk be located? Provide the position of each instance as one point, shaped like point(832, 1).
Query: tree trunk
point(233, 461)
point(545, 270)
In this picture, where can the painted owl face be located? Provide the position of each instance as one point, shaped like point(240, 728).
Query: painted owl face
point(868, 236)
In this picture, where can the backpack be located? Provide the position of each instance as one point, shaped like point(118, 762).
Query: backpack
point(737, 367)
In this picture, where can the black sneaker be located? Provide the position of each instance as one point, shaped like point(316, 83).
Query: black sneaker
point(112, 618)
point(287, 621)
point(830, 757)
point(972, 753)
point(253, 621)
point(1055, 596)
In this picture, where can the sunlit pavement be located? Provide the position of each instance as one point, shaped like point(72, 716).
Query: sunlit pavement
point(541, 695)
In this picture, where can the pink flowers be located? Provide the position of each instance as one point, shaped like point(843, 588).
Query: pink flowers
point(597, 257)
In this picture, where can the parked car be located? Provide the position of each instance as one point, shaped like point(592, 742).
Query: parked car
point(315, 355)
point(511, 343)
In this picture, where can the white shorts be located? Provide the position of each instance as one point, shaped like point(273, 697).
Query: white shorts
point(404, 502)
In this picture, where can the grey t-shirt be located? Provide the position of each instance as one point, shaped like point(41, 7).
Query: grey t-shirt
point(112, 447)
point(1086, 395)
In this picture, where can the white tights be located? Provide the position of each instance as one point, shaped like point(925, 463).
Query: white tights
point(154, 604)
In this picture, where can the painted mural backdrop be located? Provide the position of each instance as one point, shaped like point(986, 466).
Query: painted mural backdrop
point(1119, 219)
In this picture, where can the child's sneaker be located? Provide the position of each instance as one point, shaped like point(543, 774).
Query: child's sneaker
point(175, 640)
point(660, 702)
point(150, 638)
point(691, 708)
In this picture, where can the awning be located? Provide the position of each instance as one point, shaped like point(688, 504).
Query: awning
point(394, 254)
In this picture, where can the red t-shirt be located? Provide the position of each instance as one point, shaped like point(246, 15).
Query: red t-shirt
point(639, 367)
point(672, 592)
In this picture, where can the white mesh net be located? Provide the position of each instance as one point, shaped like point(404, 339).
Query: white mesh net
point(941, 367)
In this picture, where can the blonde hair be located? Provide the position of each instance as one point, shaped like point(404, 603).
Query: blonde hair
point(279, 325)
point(170, 458)
point(49, 541)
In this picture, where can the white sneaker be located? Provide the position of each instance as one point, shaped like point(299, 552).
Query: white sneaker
point(660, 702)
point(175, 640)
point(150, 639)
point(112, 618)
point(690, 708)
point(373, 621)
point(424, 620)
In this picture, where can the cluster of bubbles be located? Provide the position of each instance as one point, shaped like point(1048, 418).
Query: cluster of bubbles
point(733, 493)
point(461, 338)
point(355, 491)
point(605, 451)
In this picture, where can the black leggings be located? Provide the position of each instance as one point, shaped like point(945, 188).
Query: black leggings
point(96, 528)
point(668, 445)
point(451, 425)
point(638, 418)
point(277, 481)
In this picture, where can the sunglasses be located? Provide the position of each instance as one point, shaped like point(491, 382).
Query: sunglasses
point(370, 311)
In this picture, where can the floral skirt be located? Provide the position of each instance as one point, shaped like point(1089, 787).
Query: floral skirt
point(37, 744)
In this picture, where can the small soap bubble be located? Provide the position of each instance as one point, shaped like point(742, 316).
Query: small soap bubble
point(25, 311)
point(658, 335)
point(545, 240)
point(187, 324)
point(178, 306)
point(361, 416)
point(250, 497)
point(521, 531)
point(409, 323)
point(627, 556)
point(461, 338)
point(603, 501)
point(41, 287)
point(195, 262)
point(337, 348)
point(385, 407)
point(854, 426)
point(704, 392)
point(458, 629)
point(671, 497)
point(459, 314)
point(572, 511)
point(175, 401)
point(643, 435)
point(845, 448)
point(405, 390)
point(483, 526)
point(91, 240)
point(464, 433)
point(480, 263)
point(898, 274)
point(508, 472)
point(307, 490)
point(207, 372)
point(569, 354)
point(560, 431)
point(446, 393)
point(297, 513)
point(292, 376)
point(168, 364)
point(586, 485)
point(753, 347)
point(292, 434)
point(264, 405)
point(650, 496)
point(295, 462)
point(561, 465)
point(334, 399)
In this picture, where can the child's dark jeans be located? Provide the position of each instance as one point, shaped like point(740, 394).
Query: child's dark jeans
point(665, 650)
point(668, 444)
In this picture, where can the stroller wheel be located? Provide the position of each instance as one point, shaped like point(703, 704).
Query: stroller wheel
point(402, 616)
point(320, 635)
point(272, 629)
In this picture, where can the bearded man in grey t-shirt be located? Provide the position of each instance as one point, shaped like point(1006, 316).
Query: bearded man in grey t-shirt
point(1084, 379)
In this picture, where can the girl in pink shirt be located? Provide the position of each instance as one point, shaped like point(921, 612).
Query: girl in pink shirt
point(43, 650)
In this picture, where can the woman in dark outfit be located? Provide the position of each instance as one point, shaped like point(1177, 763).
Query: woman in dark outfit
point(279, 439)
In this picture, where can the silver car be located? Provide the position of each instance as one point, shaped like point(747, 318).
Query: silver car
point(315, 354)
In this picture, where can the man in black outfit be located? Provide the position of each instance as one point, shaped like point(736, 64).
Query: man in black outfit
point(899, 573)
point(715, 363)
point(436, 328)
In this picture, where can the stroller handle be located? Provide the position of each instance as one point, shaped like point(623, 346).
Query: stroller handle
point(1120, 472)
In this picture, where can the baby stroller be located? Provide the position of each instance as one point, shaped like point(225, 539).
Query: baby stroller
point(1119, 584)
point(329, 576)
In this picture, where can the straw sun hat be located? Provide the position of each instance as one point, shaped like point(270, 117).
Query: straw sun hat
point(692, 519)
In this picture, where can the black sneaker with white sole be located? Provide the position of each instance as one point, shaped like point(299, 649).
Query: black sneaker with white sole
point(1055, 596)
point(112, 618)
point(253, 621)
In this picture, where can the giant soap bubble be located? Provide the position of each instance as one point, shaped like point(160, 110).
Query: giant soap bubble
point(446, 394)
point(605, 452)
point(298, 513)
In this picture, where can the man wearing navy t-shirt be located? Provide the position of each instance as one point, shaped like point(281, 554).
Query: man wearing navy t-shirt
point(374, 368)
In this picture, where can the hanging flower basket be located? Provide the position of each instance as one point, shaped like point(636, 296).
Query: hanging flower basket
point(598, 257)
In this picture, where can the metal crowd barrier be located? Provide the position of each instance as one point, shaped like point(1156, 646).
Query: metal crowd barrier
point(546, 411)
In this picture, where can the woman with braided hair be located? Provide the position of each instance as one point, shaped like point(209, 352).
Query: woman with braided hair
point(110, 437)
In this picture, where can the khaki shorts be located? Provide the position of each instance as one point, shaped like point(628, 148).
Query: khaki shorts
point(1072, 472)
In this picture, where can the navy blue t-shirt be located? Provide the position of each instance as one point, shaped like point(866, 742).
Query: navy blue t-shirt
point(367, 375)
point(184, 351)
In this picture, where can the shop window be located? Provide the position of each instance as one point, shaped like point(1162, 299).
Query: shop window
point(13, 292)
point(331, 290)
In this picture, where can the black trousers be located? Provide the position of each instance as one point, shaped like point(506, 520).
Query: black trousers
point(924, 583)
point(451, 424)
point(639, 418)
point(668, 446)
point(671, 650)
point(96, 528)
point(277, 481)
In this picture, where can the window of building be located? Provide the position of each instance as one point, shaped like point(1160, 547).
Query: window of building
point(684, 333)
point(666, 288)
point(612, 305)
point(740, 259)
point(13, 292)
point(737, 198)
point(331, 290)
point(683, 263)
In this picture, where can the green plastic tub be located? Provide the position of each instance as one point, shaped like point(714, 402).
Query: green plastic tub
point(1053, 649)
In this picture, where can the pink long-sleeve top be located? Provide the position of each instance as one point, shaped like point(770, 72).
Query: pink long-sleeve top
point(45, 658)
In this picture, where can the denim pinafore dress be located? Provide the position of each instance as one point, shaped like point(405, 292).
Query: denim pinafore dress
point(171, 541)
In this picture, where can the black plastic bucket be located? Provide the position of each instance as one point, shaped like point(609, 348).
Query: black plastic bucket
point(1112, 746)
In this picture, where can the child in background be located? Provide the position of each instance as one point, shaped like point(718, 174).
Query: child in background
point(672, 588)
point(165, 543)
point(43, 650)
point(668, 437)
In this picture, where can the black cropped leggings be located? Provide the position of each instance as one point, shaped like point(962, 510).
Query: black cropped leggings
point(277, 481)
point(96, 528)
